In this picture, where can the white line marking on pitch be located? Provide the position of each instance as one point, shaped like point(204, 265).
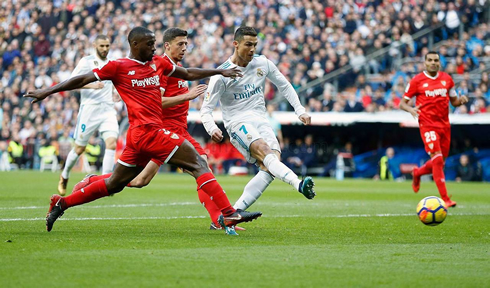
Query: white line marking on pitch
point(201, 217)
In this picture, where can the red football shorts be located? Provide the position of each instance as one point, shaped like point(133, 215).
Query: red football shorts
point(436, 139)
point(149, 142)
point(182, 131)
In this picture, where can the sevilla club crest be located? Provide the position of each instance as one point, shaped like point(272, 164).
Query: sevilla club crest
point(443, 83)
point(153, 66)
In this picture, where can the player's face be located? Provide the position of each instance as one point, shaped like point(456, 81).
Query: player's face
point(432, 63)
point(246, 47)
point(146, 47)
point(176, 48)
point(102, 47)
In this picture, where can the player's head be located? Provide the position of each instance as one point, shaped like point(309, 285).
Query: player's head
point(175, 43)
point(102, 45)
point(142, 43)
point(245, 42)
point(432, 63)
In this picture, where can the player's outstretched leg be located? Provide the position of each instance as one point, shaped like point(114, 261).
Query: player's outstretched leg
point(101, 188)
point(281, 171)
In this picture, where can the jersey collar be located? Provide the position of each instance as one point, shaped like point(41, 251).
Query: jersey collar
point(165, 55)
point(428, 76)
point(137, 61)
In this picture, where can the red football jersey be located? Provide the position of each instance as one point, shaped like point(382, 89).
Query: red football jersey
point(433, 97)
point(176, 115)
point(138, 84)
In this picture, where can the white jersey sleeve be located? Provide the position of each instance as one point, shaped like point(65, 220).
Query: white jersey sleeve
point(83, 67)
point(285, 88)
point(213, 94)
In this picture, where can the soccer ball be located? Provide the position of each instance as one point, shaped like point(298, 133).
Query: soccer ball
point(432, 211)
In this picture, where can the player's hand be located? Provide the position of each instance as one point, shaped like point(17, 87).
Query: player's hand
point(38, 95)
point(217, 135)
point(305, 118)
point(196, 91)
point(232, 73)
point(463, 100)
point(415, 112)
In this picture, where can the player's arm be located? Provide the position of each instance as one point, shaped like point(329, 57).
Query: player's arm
point(95, 85)
point(410, 92)
point(83, 67)
point(179, 99)
point(196, 73)
point(215, 89)
point(285, 88)
point(70, 84)
point(455, 100)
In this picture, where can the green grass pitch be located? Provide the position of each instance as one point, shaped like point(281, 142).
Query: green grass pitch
point(355, 233)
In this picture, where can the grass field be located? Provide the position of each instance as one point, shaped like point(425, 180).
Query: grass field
point(356, 233)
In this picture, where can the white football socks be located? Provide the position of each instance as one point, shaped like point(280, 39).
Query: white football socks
point(253, 190)
point(71, 160)
point(108, 161)
point(281, 171)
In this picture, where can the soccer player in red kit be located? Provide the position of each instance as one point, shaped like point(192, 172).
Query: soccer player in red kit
point(175, 103)
point(434, 90)
point(138, 83)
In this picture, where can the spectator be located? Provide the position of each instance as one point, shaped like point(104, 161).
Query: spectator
point(384, 169)
point(464, 170)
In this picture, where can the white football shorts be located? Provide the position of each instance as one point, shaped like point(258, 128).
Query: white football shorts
point(92, 117)
point(243, 134)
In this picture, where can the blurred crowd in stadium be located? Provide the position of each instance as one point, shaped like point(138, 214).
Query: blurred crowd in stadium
point(42, 41)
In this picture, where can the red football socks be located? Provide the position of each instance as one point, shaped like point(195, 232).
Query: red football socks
point(90, 193)
point(425, 169)
point(210, 186)
point(105, 176)
point(213, 210)
point(438, 175)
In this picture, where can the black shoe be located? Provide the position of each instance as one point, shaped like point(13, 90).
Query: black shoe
point(55, 211)
point(238, 217)
point(306, 187)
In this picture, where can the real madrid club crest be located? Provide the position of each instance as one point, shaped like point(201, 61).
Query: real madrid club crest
point(443, 83)
point(96, 63)
point(153, 66)
point(260, 73)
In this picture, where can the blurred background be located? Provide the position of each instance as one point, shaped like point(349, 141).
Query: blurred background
point(349, 61)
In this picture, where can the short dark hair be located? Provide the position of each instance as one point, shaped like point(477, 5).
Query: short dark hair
point(431, 52)
point(244, 30)
point(137, 32)
point(101, 37)
point(172, 33)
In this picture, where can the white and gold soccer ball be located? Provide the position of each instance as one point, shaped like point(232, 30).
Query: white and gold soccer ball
point(432, 211)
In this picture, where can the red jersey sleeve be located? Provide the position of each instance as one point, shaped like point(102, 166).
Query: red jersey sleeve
point(164, 68)
point(108, 72)
point(411, 89)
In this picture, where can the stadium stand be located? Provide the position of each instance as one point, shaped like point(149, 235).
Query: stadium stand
point(350, 55)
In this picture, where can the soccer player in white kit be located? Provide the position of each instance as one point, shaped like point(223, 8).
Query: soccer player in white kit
point(96, 112)
point(245, 116)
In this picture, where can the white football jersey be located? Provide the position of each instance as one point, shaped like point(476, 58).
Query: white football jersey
point(242, 99)
point(93, 96)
